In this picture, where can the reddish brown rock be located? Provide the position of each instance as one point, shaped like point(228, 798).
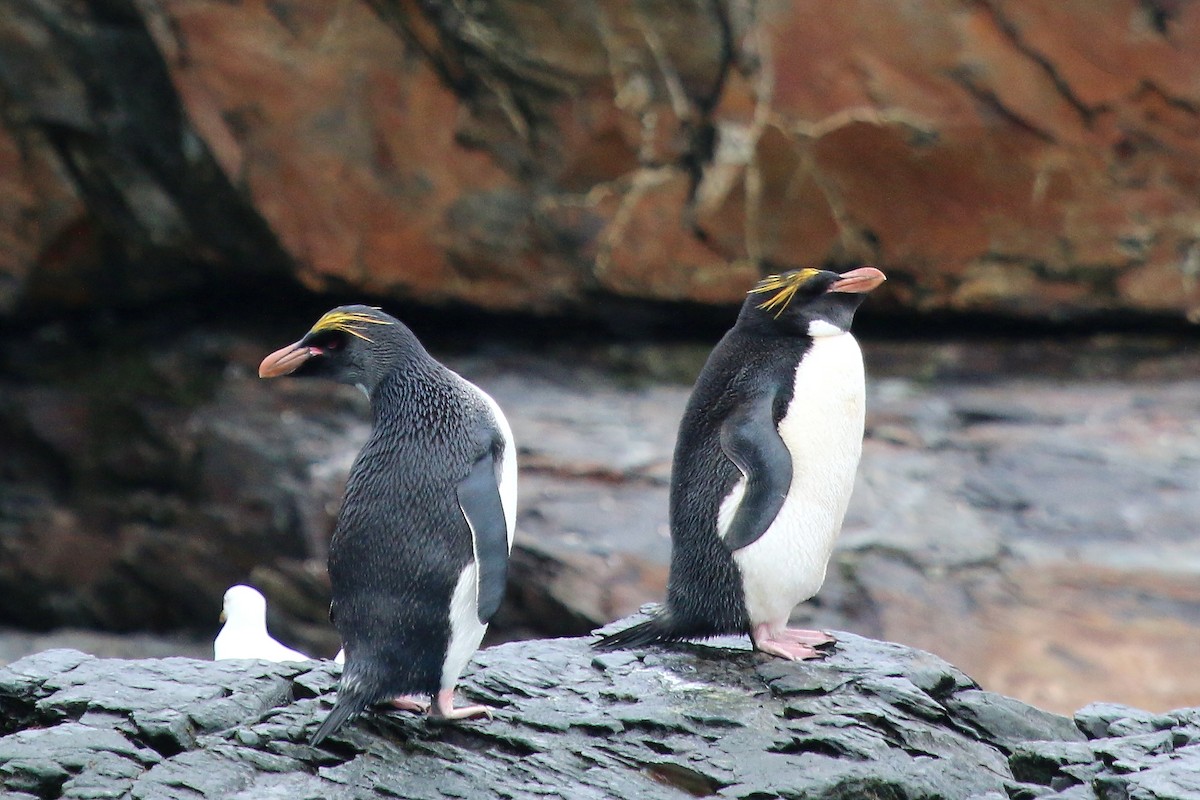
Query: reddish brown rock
point(966, 156)
point(342, 139)
point(85, 96)
point(1032, 158)
point(48, 247)
point(645, 253)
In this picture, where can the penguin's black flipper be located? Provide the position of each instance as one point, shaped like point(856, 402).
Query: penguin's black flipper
point(479, 499)
point(750, 439)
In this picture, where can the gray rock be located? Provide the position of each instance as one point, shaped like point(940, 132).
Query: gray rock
point(1008, 721)
point(70, 757)
point(1174, 776)
point(1113, 719)
point(15, 644)
point(872, 719)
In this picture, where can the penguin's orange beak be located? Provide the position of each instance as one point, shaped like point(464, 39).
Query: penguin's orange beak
point(286, 360)
point(856, 281)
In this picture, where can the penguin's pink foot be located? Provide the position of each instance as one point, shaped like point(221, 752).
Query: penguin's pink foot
point(445, 708)
point(802, 636)
point(411, 702)
point(777, 644)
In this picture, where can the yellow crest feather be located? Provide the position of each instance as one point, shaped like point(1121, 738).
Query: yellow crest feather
point(784, 286)
point(350, 322)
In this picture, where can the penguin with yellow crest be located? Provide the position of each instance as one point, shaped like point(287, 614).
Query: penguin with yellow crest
point(764, 465)
point(419, 555)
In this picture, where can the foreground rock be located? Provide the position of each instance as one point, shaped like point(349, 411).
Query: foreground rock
point(872, 720)
point(1029, 158)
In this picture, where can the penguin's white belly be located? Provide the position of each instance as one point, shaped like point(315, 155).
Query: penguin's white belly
point(823, 431)
point(466, 631)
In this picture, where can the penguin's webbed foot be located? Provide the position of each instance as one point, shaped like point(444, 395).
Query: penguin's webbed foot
point(788, 650)
point(410, 702)
point(444, 709)
point(793, 644)
point(803, 636)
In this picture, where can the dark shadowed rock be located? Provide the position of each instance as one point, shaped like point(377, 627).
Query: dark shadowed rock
point(118, 200)
point(872, 720)
point(176, 476)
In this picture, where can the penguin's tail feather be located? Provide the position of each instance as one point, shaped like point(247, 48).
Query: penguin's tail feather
point(659, 628)
point(349, 705)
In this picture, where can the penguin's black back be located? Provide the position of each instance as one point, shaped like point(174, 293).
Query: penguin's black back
point(401, 541)
point(704, 594)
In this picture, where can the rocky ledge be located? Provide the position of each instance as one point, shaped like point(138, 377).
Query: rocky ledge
point(873, 719)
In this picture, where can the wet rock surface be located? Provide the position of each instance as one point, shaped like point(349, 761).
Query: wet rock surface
point(873, 719)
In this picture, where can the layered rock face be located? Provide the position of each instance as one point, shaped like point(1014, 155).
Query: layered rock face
point(1036, 158)
point(872, 720)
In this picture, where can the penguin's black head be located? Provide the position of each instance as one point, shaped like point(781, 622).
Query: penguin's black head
point(808, 301)
point(357, 345)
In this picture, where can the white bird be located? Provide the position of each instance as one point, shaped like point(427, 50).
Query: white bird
point(245, 632)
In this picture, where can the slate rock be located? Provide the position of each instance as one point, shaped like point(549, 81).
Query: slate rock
point(695, 719)
point(1173, 776)
point(1010, 721)
point(1114, 719)
point(871, 719)
point(1051, 763)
